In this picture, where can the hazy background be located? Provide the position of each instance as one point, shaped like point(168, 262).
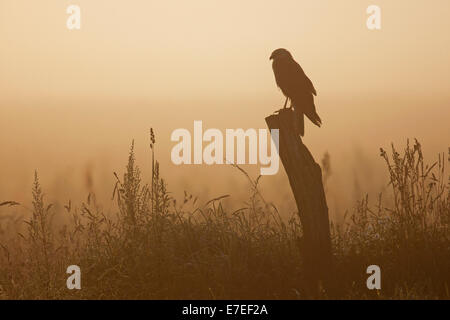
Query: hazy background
point(72, 101)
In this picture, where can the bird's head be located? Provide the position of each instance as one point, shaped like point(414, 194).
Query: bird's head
point(280, 53)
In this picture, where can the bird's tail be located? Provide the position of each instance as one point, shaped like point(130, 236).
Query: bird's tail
point(314, 117)
point(306, 107)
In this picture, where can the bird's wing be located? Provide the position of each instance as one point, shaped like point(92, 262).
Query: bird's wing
point(311, 86)
point(302, 80)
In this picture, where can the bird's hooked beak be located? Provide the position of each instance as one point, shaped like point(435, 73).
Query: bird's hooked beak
point(271, 57)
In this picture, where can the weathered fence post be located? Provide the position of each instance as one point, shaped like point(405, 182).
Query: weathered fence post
point(305, 178)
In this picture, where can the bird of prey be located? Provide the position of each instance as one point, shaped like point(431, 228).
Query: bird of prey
point(296, 87)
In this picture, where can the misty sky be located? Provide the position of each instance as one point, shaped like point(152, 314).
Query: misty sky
point(74, 99)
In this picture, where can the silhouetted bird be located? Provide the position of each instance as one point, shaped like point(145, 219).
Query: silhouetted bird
point(296, 86)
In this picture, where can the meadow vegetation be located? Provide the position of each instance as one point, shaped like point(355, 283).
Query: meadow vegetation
point(153, 246)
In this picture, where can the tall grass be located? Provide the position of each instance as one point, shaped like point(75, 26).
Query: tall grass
point(155, 247)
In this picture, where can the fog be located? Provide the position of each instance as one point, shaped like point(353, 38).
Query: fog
point(71, 102)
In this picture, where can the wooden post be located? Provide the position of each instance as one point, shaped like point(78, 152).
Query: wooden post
point(305, 178)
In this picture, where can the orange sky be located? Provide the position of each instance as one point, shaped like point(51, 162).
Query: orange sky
point(73, 98)
point(192, 49)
